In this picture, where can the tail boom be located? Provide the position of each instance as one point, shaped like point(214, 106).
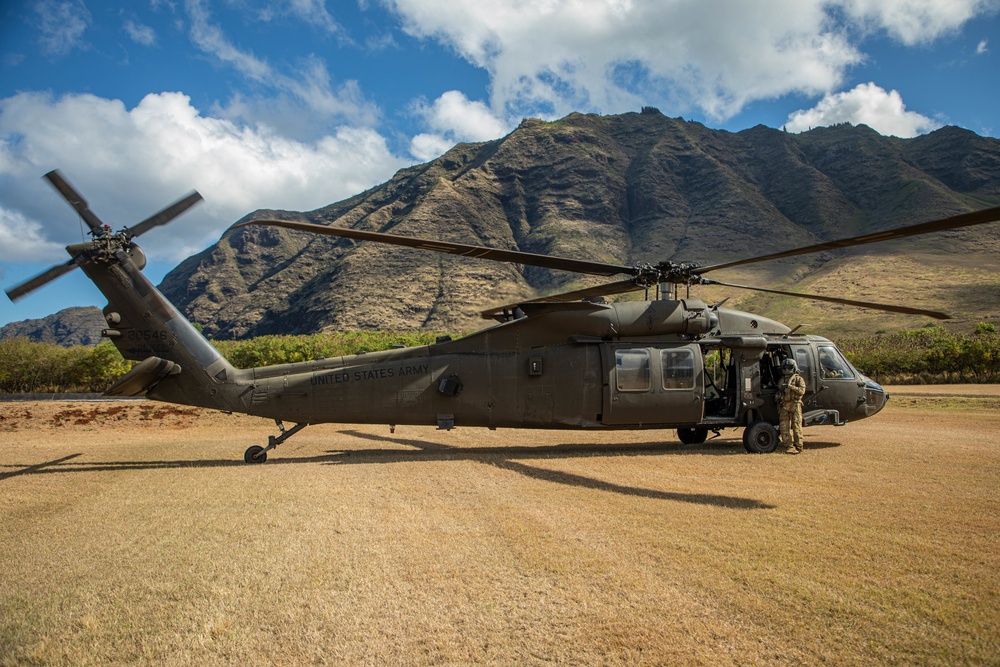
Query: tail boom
point(145, 326)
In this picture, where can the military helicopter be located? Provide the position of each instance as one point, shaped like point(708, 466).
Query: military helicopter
point(565, 361)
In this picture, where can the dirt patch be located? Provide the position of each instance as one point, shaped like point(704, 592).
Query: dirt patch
point(47, 415)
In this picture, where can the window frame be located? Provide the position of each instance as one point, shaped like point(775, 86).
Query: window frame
point(636, 372)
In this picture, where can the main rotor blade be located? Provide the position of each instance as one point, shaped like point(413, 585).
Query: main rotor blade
point(482, 252)
point(607, 289)
point(17, 292)
point(833, 299)
point(954, 222)
point(166, 215)
point(75, 199)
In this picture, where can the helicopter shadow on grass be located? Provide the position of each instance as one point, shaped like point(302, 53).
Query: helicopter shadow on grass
point(500, 457)
point(503, 458)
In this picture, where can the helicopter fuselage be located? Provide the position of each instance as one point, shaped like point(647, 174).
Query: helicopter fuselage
point(651, 364)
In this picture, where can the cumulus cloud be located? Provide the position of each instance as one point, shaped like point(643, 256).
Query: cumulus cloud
point(983, 47)
point(866, 103)
point(129, 163)
point(453, 118)
point(21, 239)
point(913, 21)
point(714, 56)
point(562, 56)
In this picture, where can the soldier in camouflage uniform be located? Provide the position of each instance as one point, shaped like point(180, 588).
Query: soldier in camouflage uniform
point(790, 391)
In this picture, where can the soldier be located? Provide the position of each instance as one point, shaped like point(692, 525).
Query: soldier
point(790, 391)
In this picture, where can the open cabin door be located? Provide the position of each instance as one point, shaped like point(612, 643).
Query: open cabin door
point(661, 384)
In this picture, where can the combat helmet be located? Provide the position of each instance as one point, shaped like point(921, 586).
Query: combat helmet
point(788, 367)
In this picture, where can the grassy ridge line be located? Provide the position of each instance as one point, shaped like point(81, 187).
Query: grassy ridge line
point(920, 356)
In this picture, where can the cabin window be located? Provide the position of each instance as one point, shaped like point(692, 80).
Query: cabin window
point(632, 369)
point(832, 365)
point(678, 369)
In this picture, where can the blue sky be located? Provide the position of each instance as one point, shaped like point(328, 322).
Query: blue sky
point(296, 104)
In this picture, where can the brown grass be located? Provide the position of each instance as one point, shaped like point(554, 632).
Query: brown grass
point(145, 539)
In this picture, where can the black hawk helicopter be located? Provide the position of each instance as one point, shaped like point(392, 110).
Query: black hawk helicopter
point(566, 361)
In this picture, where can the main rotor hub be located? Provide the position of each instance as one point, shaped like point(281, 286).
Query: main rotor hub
point(678, 273)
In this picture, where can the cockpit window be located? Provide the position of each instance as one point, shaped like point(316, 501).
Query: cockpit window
point(802, 361)
point(632, 370)
point(832, 364)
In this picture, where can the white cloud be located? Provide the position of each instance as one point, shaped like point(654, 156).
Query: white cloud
point(467, 120)
point(61, 25)
point(314, 12)
point(302, 103)
point(210, 38)
point(453, 118)
point(139, 32)
point(559, 56)
point(551, 57)
point(427, 146)
point(129, 163)
point(866, 103)
point(983, 47)
point(21, 239)
point(914, 21)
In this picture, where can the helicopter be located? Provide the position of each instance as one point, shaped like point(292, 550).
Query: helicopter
point(564, 361)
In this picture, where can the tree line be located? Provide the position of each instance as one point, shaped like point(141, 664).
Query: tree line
point(930, 355)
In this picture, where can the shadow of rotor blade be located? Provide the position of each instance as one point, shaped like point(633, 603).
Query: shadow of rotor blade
point(832, 299)
point(17, 292)
point(572, 479)
point(38, 467)
point(479, 252)
point(954, 222)
point(75, 199)
point(166, 215)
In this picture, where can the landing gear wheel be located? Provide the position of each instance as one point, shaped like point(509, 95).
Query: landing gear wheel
point(255, 454)
point(692, 436)
point(760, 437)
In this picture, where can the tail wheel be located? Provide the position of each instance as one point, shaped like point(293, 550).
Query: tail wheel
point(692, 436)
point(255, 454)
point(760, 437)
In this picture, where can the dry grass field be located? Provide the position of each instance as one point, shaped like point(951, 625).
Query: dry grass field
point(132, 533)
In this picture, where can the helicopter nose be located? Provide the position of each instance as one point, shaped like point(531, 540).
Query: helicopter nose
point(875, 396)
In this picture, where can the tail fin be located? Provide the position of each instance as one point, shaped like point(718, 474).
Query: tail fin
point(178, 364)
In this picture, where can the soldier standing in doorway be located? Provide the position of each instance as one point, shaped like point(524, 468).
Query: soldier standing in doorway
point(790, 391)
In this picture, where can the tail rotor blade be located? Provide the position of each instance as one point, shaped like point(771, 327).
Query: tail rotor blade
point(166, 215)
point(16, 293)
point(75, 199)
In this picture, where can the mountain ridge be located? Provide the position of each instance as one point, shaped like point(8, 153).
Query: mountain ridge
point(621, 189)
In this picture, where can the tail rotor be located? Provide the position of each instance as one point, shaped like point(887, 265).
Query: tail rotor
point(97, 230)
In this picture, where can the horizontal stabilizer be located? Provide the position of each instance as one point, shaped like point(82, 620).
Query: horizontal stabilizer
point(146, 374)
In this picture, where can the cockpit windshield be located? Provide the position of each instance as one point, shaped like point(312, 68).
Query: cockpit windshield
point(833, 365)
